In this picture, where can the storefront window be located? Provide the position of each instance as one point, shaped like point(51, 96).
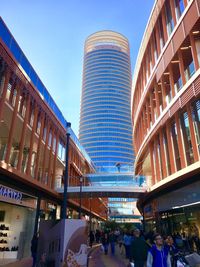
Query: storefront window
point(187, 138)
point(17, 219)
point(175, 145)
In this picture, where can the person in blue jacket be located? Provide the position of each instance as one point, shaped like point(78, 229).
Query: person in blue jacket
point(158, 255)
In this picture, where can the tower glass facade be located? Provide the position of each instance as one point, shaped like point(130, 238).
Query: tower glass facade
point(105, 121)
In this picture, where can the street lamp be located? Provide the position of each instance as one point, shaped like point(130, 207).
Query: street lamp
point(90, 212)
point(80, 199)
point(66, 176)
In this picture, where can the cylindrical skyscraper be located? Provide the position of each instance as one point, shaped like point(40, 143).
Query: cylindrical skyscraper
point(105, 120)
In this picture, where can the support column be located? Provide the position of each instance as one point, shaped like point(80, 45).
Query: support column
point(157, 37)
point(170, 147)
point(152, 163)
point(171, 80)
point(152, 107)
point(181, 65)
point(164, 23)
point(12, 127)
point(192, 133)
point(180, 141)
point(55, 160)
point(158, 167)
point(162, 155)
point(194, 51)
point(39, 146)
point(148, 117)
point(50, 156)
point(163, 92)
point(172, 6)
point(22, 140)
point(37, 215)
point(28, 169)
point(7, 76)
point(45, 151)
point(152, 52)
point(157, 100)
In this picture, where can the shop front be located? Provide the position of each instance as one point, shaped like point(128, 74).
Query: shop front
point(174, 212)
point(17, 220)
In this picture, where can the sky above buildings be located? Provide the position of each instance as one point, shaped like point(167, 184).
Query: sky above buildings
point(52, 35)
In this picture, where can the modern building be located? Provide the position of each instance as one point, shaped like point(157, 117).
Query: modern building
point(166, 116)
point(32, 154)
point(105, 119)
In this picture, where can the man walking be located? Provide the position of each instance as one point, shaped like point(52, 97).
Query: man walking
point(139, 249)
point(158, 255)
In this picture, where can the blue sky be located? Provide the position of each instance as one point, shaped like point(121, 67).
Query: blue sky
point(52, 34)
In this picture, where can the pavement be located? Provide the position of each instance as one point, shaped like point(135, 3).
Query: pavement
point(99, 259)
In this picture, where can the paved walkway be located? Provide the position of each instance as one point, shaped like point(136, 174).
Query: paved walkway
point(98, 259)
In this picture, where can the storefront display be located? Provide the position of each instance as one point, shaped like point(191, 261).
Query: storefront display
point(17, 219)
point(175, 212)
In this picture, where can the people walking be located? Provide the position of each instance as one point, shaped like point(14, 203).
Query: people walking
point(173, 250)
point(127, 244)
point(91, 237)
point(112, 240)
point(138, 249)
point(34, 243)
point(105, 242)
point(158, 255)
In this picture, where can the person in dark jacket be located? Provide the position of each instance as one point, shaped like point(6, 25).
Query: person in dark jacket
point(105, 242)
point(112, 240)
point(138, 250)
point(34, 243)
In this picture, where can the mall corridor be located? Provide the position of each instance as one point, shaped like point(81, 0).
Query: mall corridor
point(98, 258)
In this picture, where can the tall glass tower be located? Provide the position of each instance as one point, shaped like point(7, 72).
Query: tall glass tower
point(105, 120)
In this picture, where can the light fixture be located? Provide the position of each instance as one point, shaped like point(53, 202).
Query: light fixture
point(186, 205)
point(175, 61)
point(166, 73)
point(185, 47)
point(196, 32)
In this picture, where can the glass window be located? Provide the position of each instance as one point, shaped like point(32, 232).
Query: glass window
point(187, 138)
point(196, 120)
point(15, 50)
point(169, 19)
point(175, 145)
point(25, 64)
point(179, 6)
point(4, 34)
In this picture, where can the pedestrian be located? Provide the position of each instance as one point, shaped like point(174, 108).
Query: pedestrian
point(34, 243)
point(127, 244)
point(158, 255)
point(112, 240)
point(105, 242)
point(97, 236)
point(91, 236)
point(138, 249)
point(173, 250)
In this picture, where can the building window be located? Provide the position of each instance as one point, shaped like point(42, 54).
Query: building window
point(187, 138)
point(169, 19)
point(161, 33)
point(196, 120)
point(179, 7)
point(175, 145)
